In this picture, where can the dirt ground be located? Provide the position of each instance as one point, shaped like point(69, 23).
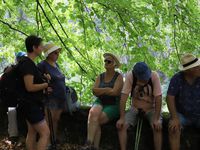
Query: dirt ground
point(5, 144)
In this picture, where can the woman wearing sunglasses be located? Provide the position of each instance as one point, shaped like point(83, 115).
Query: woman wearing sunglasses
point(57, 98)
point(107, 89)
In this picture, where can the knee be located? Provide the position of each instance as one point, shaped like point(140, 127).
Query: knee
point(123, 129)
point(94, 115)
point(56, 118)
point(157, 131)
point(45, 133)
point(174, 133)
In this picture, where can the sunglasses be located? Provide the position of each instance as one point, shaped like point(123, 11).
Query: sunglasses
point(108, 61)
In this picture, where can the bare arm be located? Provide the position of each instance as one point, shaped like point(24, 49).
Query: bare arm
point(96, 90)
point(158, 105)
point(123, 100)
point(31, 87)
point(115, 91)
point(171, 106)
point(121, 122)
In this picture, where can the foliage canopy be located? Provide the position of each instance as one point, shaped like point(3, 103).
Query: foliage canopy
point(154, 31)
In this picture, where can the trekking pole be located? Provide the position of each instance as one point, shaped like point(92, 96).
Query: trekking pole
point(139, 129)
point(52, 135)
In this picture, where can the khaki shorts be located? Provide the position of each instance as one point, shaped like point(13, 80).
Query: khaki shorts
point(131, 117)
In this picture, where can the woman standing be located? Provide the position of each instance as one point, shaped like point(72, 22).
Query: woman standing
point(33, 87)
point(57, 99)
point(107, 89)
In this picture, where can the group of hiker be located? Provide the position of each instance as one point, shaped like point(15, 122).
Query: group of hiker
point(43, 90)
point(144, 87)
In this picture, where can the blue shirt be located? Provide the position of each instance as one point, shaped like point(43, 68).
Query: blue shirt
point(187, 97)
point(57, 81)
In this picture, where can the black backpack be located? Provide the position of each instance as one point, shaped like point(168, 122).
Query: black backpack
point(142, 88)
point(72, 100)
point(10, 86)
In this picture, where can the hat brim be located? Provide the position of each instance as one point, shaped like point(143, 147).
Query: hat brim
point(118, 64)
point(54, 48)
point(190, 66)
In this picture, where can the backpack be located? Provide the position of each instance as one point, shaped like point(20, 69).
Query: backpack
point(142, 87)
point(72, 103)
point(10, 86)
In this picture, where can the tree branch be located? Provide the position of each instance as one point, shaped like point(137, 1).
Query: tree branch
point(37, 20)
point(63, 28)
point(69, 51)
point(177, 53)
point(5, 23)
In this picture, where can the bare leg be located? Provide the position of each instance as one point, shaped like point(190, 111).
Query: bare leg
point(102, 120)
point(174, 139)
point(123, 136)
point(97, 137)
point(31, 137)
point(43, 130)
point(157, 139)
point(55, 118)
point(93, 122)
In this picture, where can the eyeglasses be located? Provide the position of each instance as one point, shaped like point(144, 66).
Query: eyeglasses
point(108, 61)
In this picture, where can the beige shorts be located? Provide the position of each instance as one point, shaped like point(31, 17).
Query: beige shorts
point(131, 117)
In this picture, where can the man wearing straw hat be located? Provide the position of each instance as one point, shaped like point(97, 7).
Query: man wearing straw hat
point(183, 98)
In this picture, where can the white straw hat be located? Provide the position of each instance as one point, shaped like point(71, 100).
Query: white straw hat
point(189, 61)
point(49, 48)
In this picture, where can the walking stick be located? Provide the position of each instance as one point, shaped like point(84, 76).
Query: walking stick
point(52, 135)
point(139, 128)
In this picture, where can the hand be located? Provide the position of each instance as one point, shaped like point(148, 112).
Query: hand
point(156, 124)
point(47, 76)
point(49, 90)
point(120, 123)
point(174, 124)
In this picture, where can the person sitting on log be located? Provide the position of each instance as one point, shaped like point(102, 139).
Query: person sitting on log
point(145, 89)
point(183, 98)
point(107, 89)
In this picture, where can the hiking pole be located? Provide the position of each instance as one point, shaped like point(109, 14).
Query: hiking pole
point(138, 133)
point(139, 129)
point(52, 135)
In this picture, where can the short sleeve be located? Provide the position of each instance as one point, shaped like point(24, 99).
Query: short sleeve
point(174, 84)
point(27, 68)
point(157, 90)
point(128, 83)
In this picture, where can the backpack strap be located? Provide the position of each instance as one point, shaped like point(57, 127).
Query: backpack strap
point(134, 83)
point(151, 85)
